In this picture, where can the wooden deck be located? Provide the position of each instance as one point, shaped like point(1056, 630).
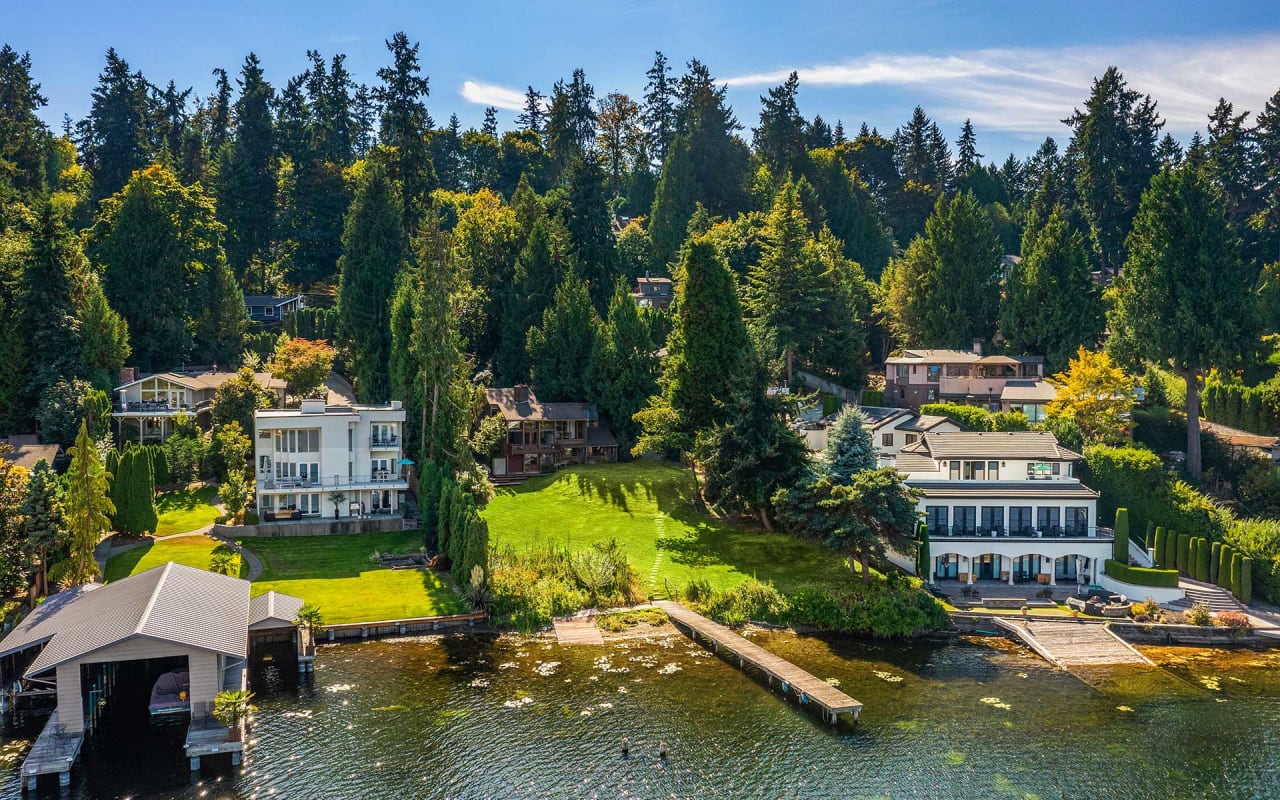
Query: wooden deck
point(53, 752)
point(793, 679)
point(1069, 644)
point(578, 631)
point(206, 737)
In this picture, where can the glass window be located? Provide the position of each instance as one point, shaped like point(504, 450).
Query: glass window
point(1020, 519)
point(886, 439)
point(932, 374)
point(1078, 519)
point(955, 470)
point(1048, 518)
point(935, 519)
point(992, 518)
point(993, 470)
point(901, 371)
point(966, 520)
point(912, 438)
point(979, 471)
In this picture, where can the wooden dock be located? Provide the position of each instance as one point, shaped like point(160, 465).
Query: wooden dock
point(578, 631)
point(1069, 644)
point(53, 753)
point(794, 680)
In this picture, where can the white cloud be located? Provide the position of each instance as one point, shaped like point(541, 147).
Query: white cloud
point(489, 94)
point(1028, 91)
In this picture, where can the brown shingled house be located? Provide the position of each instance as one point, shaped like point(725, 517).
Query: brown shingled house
point(543, 437)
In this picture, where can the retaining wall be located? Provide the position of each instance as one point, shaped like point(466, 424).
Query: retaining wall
point(1208, 635)
point(397, 627)
point(313, 528)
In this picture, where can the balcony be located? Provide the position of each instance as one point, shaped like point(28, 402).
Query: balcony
point(384, 442)
point(384, 479)
point(155, 408)
point(1026, 532)
point(972, 386)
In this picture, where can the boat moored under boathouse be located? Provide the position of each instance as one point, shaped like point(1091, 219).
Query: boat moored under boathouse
point(161, 643)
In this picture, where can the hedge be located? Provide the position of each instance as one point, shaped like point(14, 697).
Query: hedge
point(1245, 595)
point(1120, 547)
point(1215, 557)
point(1224, 566)
point(1184, 553)
point(1141, 576)
point(1151, 532)
point(1203, 561)
point(1170, 558)
point(1135, 478)
point(1236, 561)
point(1161, 543)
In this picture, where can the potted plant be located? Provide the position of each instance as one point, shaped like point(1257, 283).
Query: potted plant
point(337, 498)
point(230, 707)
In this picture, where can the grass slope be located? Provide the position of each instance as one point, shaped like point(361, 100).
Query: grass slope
point(194, 551)
point(186, 510)
point(648, 507)
point(334, 573)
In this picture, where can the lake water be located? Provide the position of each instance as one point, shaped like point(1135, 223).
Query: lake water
point(512, 717)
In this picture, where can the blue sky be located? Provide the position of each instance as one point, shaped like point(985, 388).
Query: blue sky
point(1016, 68)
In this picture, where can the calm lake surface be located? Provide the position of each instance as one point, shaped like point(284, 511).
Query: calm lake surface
point(511, 717)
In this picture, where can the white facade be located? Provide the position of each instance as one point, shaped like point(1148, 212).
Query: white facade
point(306, 458)
point(1005, 506)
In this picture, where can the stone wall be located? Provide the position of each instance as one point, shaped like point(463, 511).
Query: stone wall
point(1138, 633)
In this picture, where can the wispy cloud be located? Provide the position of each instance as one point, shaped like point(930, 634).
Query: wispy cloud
point(490, 94)
point(1028, 91)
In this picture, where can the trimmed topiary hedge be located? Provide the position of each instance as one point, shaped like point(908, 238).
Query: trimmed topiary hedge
point(1162, 541)
point(1120, 548)
point(1236, 568)
point(1224, 566)
point(1184, 554)
point(1141, 576)
point(1215, 558)
point(1245, 595)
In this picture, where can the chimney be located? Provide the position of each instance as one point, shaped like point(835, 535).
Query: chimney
point(521, 393)
point(128, 375)
point(313, 406)
point(977, 347)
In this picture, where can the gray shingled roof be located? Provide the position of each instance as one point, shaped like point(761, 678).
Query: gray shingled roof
point(1039, 445)
point(876, 415)
point(533, 410)
point(171, 603)
point(925, 422)
point(273, 610)
point(914, 462)
point(1016, 391)
point(1056, 490)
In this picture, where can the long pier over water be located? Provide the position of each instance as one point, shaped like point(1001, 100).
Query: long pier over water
point(804, 685)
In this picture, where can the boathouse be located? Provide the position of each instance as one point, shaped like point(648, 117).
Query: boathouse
point(171, 638)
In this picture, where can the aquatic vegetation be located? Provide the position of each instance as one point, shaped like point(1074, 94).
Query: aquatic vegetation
point(480, 683)
point(391, 708)
point(546, 668)
point(519, 702)
point(669, 669)
point(338, 687)
point(954, 759)
point(508, 665)
point(834, 682)
point(996, 702)
point(888, 677)
point(1211, 682)
point(1125, 709)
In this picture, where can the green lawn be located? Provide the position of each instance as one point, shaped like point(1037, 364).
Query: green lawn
point(648, 508)
point(186, 510)
point(194, 551)
point(334, 573)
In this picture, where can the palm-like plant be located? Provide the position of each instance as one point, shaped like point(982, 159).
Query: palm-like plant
point(310, 619)
point(232, 706)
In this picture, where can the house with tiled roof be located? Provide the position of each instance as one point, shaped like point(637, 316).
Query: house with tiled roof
point(543, 437)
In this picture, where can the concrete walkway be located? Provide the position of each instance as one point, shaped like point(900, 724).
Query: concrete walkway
point(105, 551)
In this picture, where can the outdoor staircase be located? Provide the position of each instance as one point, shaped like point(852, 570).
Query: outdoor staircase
point(1215, 597)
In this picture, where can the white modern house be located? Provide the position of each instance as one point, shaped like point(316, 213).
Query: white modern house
point(1005, 506)
point(308, 457)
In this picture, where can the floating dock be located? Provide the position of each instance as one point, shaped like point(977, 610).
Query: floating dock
point(53, 753)
point(794, 680)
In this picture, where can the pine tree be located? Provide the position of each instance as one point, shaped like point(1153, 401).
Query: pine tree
point(589, 224)
point(851, 213)
point(967, 155)
point(246, 176)
point(721, 162)
point(921, 153)
point(402, 370)
point(560, 347)
point(536, 276)
point(220, 111)
point(437, 347)
point(849, 447)
point(624, 367)
point(1185, 296)
point(1051, 304)
point(221, 320)
point(104, 338)
point(1266, 135)
point(535, 107)
point(44, 527)
point(54, 283)
point(374, 250)
point(1231, 164)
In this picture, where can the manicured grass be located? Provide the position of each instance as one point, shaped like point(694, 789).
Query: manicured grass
point(648, 508)
point(186, 510)
point(194, 551)
point(334, 573)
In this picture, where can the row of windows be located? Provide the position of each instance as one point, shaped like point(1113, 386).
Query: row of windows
point(1022, 519)
point(990, 470)
point(886, 439)
point(298, 441)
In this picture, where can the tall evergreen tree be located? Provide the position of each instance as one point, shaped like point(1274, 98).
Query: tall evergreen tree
point(1185, 297)
point(537, 275)
point(13, 491)
point(851, 213)
point(104, 339)
point(659, 106)
point(114, 139)
point(374, 250)
point(437, 347)
point(44, 526)
point(589, 224)
point(246, 173)
point(1266, 136)
point(535, 109)
point(721, 161)
point(624, 367)
point(849, 448)
point(708, 354)
point(560, 347)
point(404, 126)
point(220, 111)
point(967, 155)
point(402, 368)
point(944, 291)
point(24, 139)
point(1051, 304)
point(921, 152)
point(88, 509)
point(54, 285)
point(779, 139)
point(1231, 164)
point(673, 203)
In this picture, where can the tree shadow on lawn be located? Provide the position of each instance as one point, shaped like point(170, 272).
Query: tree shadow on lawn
point(122, 565)
point(184, 500)
point(787, 562)
point(317, 557)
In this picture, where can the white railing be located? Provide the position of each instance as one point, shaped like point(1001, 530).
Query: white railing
point(272, 483)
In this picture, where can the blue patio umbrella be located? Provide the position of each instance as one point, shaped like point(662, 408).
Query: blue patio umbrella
point(406, 462)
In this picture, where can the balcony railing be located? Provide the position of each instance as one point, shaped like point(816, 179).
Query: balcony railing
point(384, 441)
point(272, 483)
point(1026, 532)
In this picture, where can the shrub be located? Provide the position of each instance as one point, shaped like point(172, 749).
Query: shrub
point(698, 591)
point(617, 623)
point(251, 517)
point(1160, 545)
point(1141, 576)
point(1134, 478)
point(221, 519)
point(1232, 619)
point(752, 600)
point(1198, 614)
point(1120, 549)
point(1170, 550)
point(1236, 561)
point(1215, 556)
point(971, 418)
point(1203, 560)
point(1224, 566)
point(1145, 610)
point(1184, 553)
point(1259, 539)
